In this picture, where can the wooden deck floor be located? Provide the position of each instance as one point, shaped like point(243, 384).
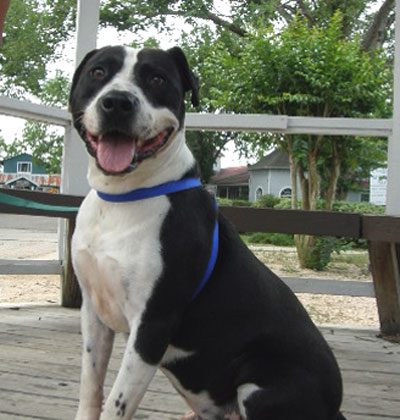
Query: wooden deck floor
point(40, 366)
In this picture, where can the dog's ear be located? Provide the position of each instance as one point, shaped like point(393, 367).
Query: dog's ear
point(78, 72)
point(189, 80)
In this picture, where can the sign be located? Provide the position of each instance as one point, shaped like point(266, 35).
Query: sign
point(378, 186)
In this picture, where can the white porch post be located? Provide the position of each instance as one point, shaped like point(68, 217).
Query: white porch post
point(75, 160)
point(393, 185)
point(75, 157)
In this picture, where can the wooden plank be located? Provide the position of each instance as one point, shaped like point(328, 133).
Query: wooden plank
point(385, 272)
point(321, 223)
point(30, 267)
point(45, 197)
point(70, 291)
point(4, 208)
point(37, 406)
point(42, 198)
point(330, 287)
point(381, 228)
point(40, 367)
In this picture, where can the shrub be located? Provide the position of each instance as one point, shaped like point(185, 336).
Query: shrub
point(233, 203)
point(320, 255)
point(285, 204)
point(355, 207)
point(267, 201)
point(281, 239)
point(241, 203)
point(257, 238)
point(277, 239)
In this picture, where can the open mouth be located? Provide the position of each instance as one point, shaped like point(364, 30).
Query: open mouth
point(117, 153)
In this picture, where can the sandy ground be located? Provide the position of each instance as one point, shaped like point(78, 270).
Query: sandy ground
point(324, 309)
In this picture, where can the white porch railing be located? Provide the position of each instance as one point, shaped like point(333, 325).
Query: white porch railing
point(74, 163)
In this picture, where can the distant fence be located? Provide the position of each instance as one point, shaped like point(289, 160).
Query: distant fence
point(381, 232)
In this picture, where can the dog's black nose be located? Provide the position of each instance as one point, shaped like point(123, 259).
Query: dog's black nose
point(118, 102)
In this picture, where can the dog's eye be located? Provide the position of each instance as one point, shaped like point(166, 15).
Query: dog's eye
point(98, 73)
point(157, 80)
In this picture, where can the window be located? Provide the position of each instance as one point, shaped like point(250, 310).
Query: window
point(286, 193)
point(259, 193)
point(24, 167)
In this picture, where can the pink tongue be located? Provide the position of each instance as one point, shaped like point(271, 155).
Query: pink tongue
point(115, 153)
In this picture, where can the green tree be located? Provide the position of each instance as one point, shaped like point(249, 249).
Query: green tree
point(207, 146)
point(43, 141)
point(239, 16)
point(306, 71)
point(33, 32)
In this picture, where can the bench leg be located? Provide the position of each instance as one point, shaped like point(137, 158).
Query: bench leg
point(70, 291)
point(385, 258)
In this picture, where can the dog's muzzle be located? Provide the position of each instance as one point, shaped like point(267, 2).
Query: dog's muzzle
point(117, 148)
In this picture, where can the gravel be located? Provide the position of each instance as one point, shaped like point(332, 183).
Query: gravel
point(324, 309)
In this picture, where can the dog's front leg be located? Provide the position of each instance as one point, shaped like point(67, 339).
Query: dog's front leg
point(97, 345)
point(131, 383)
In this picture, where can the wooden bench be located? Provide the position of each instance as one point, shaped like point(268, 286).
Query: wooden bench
point(381, 232)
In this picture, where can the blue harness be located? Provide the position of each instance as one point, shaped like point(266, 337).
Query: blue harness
point(163, 189)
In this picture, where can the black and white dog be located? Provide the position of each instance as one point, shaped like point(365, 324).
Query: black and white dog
point(236, 344)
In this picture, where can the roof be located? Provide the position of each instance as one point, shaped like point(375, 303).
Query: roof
point(16, 156)
point(275, 160)
point(238, 175)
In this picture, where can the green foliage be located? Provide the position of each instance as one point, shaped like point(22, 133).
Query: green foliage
point(301, 71)
point(233, 203)
point(43, 141)
point(320, 254)
point(308, 70)
point(206, 146)
point(285, 204)
point(277, 239)
point(33, 31)
point(268, 201)
point(238, 17)
point(354, 207)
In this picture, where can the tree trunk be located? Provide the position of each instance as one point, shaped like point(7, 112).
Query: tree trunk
point(304, 246)
point(310, 249)
point(293, 174)
point(313, 180)
point(334, 176)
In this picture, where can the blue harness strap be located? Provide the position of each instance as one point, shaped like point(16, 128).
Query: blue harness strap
point(169, 188)
point(211, 261)
point(143, 193)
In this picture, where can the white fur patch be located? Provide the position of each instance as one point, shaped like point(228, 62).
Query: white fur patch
point(244, 392)
point(117, 255)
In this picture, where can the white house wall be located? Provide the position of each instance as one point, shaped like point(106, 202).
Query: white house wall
point(272, 181)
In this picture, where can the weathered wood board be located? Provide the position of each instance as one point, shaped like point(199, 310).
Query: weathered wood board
point(40, 368)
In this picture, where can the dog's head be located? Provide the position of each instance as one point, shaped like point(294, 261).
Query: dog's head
point(128, 104)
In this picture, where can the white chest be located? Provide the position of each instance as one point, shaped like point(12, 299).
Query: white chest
point(116, 252)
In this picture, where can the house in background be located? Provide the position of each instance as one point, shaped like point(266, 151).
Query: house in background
point(21, 172)
point(232, 183)
point(270, 175)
